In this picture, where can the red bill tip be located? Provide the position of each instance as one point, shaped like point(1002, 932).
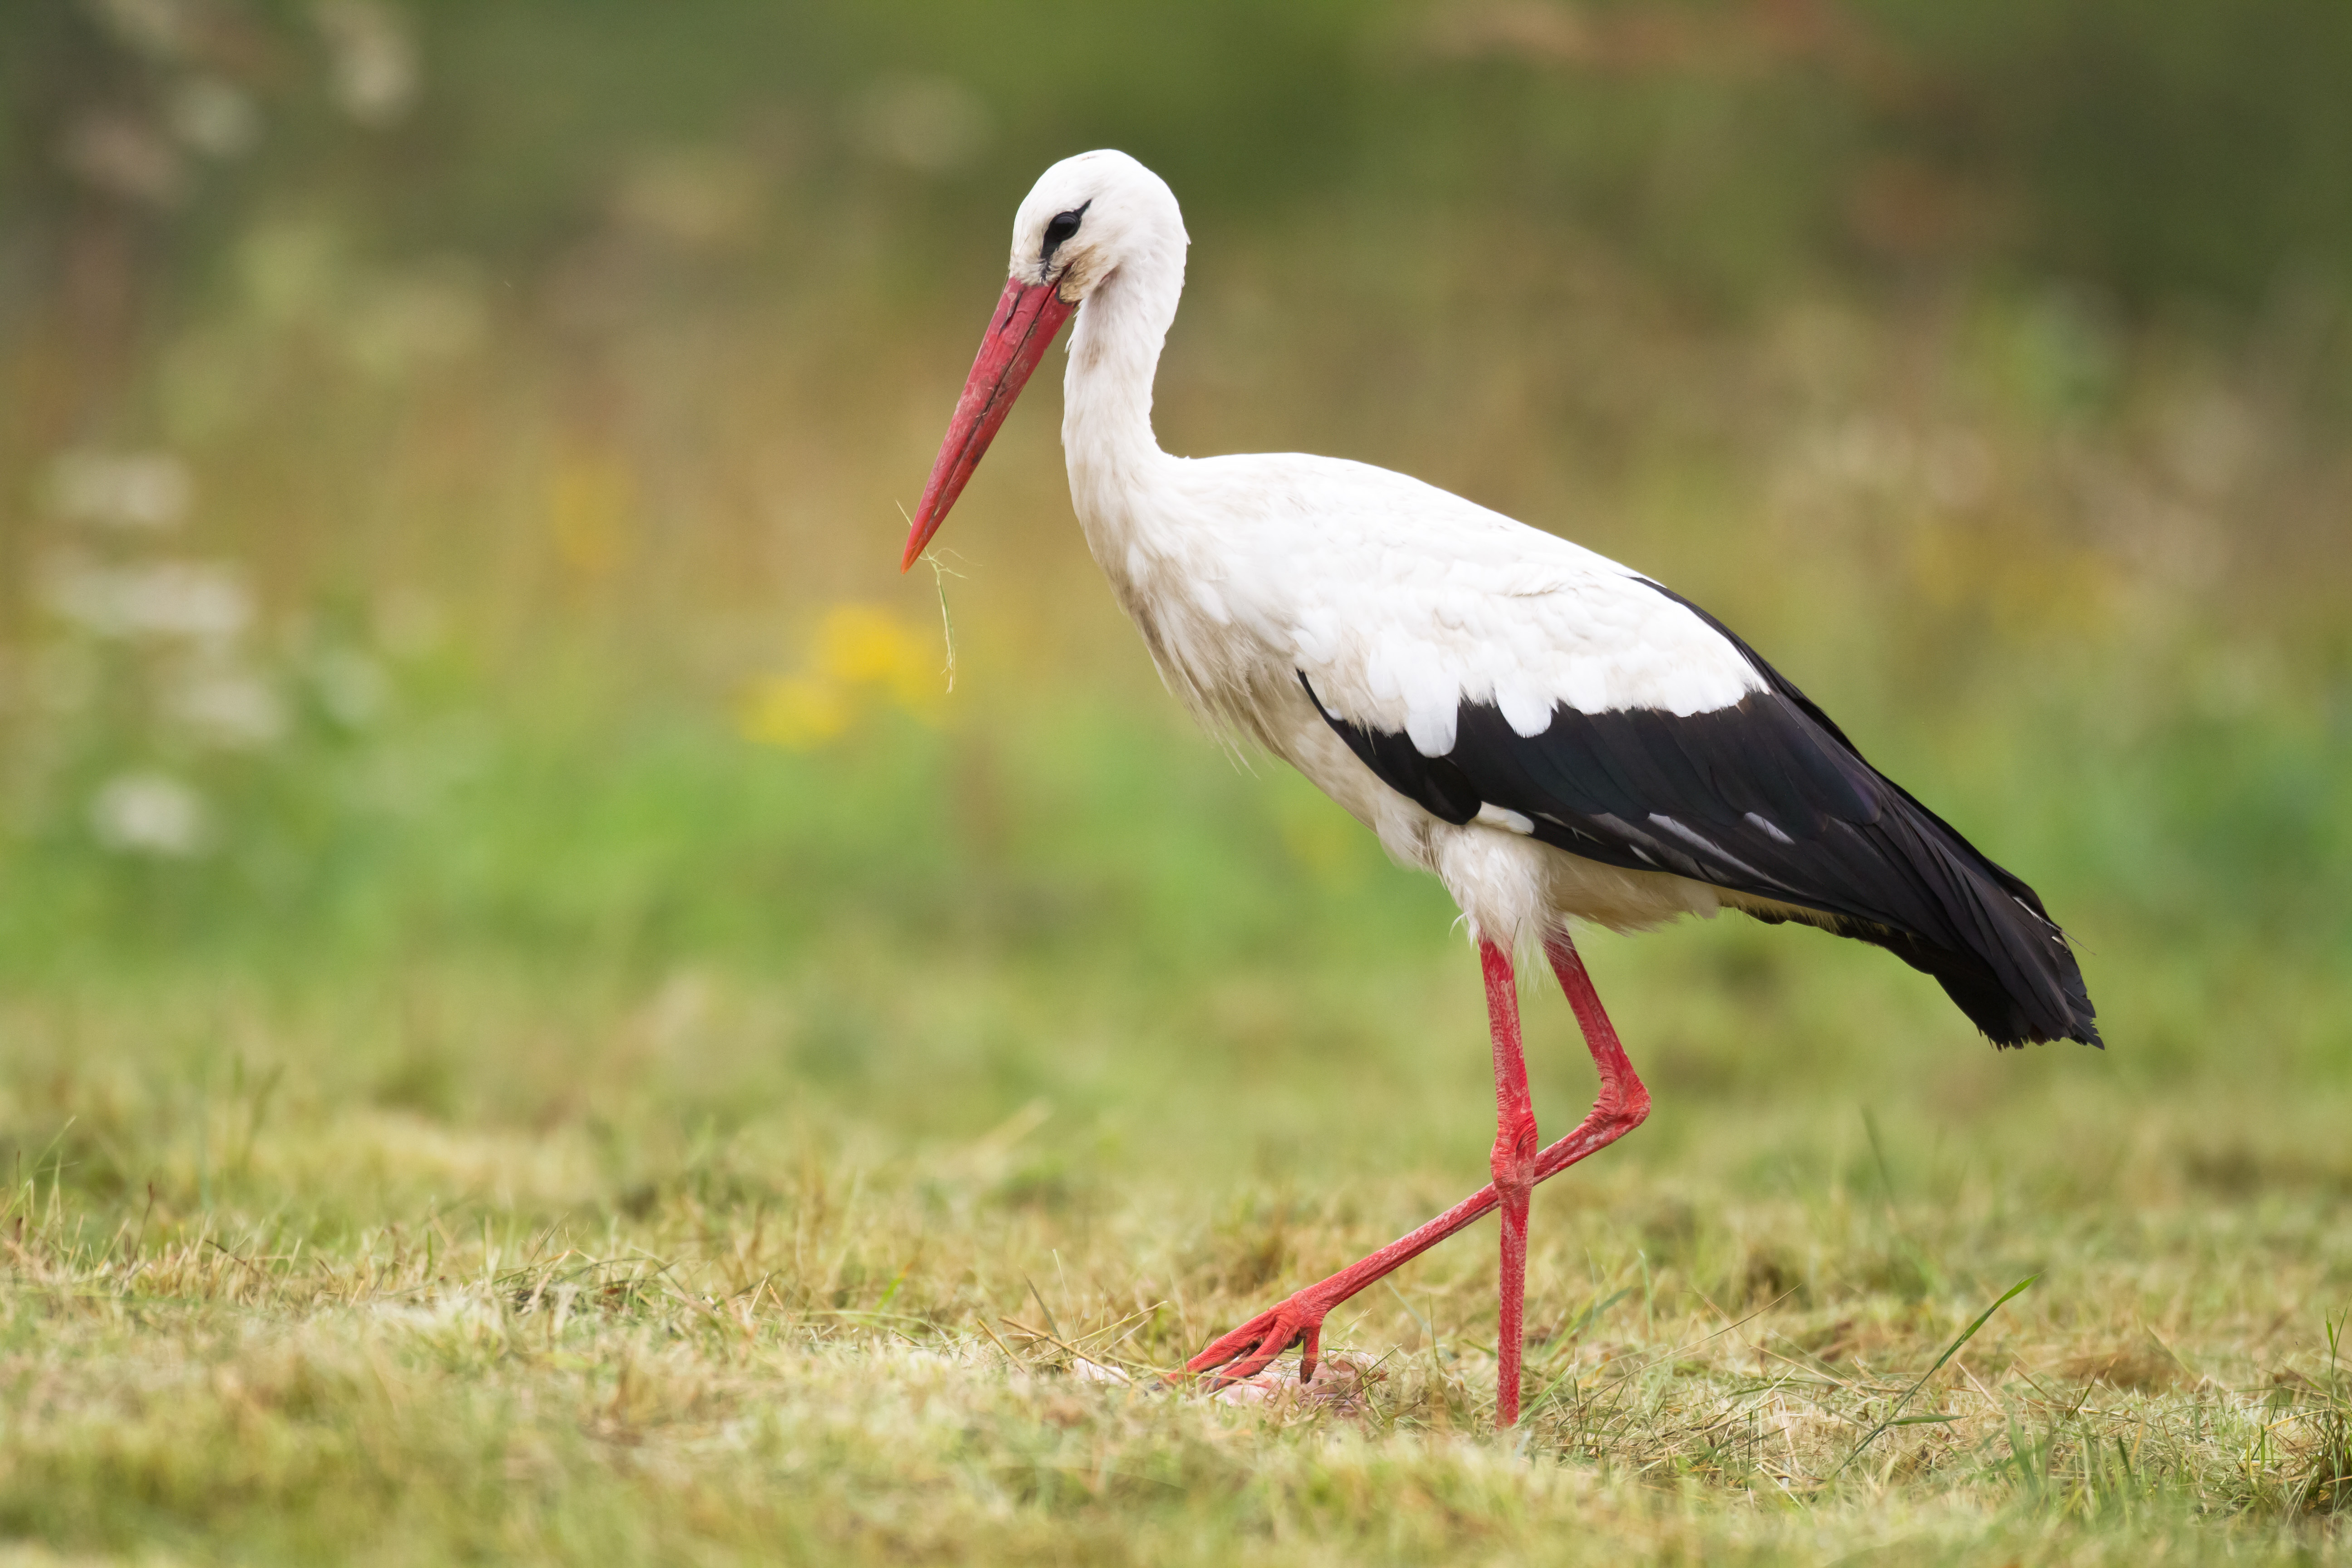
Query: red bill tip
point(1018, 335)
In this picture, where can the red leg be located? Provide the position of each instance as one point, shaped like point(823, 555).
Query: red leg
point(1624, 1102)
point(1513, 1165)
point(1620, 1107)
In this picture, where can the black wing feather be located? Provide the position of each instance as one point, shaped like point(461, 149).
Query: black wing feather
point(1767, 798)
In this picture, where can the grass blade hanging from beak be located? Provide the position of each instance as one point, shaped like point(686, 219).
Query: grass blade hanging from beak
point(940, 575)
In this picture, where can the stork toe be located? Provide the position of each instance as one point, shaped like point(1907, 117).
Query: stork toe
point(1250, 1349)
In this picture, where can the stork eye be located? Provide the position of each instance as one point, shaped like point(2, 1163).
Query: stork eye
point(1063, 225)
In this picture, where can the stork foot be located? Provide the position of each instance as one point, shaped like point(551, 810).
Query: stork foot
point(1249, 1350)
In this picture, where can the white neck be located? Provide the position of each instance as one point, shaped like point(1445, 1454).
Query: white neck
point(1106, 394)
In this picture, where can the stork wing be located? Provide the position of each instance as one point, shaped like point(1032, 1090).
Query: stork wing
point(1764, 796)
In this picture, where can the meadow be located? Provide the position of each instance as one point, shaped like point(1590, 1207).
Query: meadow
point(553, 1008)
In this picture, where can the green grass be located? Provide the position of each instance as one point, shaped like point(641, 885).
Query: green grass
point(716, 1154)
point(329, 1322)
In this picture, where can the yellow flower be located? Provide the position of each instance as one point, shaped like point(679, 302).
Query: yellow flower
point(798, 712)
point(589, 503)
point(865, 644)
point(859, 651)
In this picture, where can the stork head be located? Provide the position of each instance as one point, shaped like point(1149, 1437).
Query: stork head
point(1084, 217)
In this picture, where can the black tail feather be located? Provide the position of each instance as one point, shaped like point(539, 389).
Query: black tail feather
point(2000, 958)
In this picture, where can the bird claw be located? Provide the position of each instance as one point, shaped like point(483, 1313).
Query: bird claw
point(1249, 1350)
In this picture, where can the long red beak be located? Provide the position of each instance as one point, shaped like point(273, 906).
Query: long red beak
point(1018, 335)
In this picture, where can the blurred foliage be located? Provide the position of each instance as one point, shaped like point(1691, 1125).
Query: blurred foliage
point(448, 452)
point(2153, 152)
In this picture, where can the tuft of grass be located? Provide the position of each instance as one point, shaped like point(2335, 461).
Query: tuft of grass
point(1895, 1416)
point(581, 1313)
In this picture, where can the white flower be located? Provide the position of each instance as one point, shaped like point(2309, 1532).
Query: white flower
point(373, 57)
point(149, 814)
point(146, 491)
point(194, 599)
point(215, 118)
point(226, 707)
point(161, 29)
point(429, 316)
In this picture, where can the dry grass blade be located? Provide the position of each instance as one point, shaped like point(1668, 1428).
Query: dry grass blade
point(1076, 1355)
point(1949, 1351)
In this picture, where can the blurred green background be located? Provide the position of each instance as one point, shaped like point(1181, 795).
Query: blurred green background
point(451, 462)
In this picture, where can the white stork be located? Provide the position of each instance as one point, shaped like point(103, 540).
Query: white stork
point(1554, 736)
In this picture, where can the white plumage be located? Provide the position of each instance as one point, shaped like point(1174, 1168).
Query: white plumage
point(1397, 600)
